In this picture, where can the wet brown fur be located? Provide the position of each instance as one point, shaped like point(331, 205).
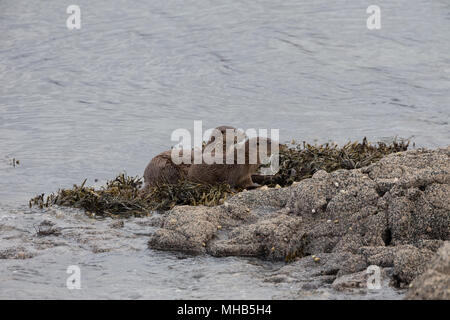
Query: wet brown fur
point(161, 168)
point(236, 175)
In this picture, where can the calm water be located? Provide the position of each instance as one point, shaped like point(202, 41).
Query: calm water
point(91, 103)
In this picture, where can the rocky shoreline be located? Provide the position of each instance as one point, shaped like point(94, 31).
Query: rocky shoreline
point(324, 233)
point(393, 214)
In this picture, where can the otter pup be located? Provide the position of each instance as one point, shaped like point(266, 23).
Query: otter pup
point(236, 175)
point(161, 168)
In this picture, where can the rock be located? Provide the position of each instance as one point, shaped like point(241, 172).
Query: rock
point(321, 268)
point(272, 198)
point(359, 281)
point(339, 264)
point(409, 262)
point(117, 224)
point(16, 253)
point(185, 229)
point(394, 214)
point(414, 168)
point(415, 215)
point(380, 256)
point(434, 283)
point(267, 238)
point(356, 280)
point(346, 198)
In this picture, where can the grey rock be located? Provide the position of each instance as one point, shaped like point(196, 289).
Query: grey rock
point(434, 283)
point(394, 213)
point(409, 262)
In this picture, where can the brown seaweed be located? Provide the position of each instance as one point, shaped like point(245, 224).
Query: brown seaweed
point(301, 161)
point(124, 195)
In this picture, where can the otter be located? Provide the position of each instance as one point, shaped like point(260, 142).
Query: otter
point(238, 135)
point(216, 145)
point(161, 168)
point(236, 175)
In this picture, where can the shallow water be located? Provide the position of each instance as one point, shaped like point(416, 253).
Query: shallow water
point(90, 103)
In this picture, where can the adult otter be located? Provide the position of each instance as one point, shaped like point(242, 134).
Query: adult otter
point(236, 175)
point(161, 169)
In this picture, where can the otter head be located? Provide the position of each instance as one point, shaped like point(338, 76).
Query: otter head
point(238, 135)
point(254, 151)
